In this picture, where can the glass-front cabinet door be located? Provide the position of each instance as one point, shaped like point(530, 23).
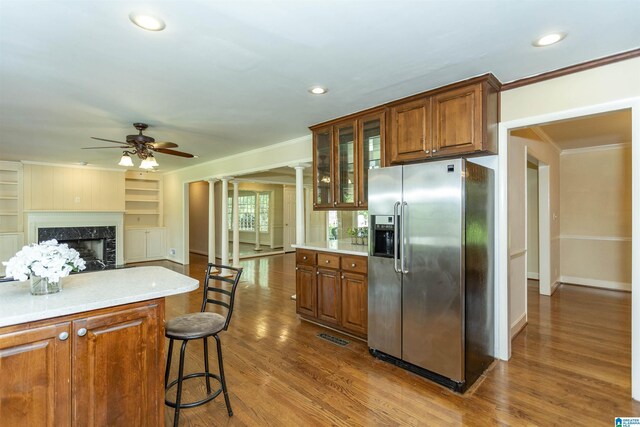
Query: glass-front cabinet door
point(371, 151)
point(345, 164)
point(323, 171)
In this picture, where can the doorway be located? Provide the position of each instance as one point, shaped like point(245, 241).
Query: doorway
point(590, 205)
point(289, 230)
point(199, 218)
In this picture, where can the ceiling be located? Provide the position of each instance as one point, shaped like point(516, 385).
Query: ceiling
point(229, 76)
point(590, 131)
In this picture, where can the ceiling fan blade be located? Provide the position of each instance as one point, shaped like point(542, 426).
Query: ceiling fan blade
point(172, 152)
point(93, 148)
point(163, 145)
point(108, 140)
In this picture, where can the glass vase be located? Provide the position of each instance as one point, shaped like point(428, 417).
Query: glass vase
point(43, 286)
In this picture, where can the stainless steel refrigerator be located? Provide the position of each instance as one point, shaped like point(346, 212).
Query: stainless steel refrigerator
point(431, 269)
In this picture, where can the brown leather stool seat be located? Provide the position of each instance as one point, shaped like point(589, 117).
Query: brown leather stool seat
point(203, 325)
point(194, 325)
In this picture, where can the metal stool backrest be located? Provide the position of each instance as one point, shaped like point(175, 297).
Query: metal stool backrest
point(224, 295)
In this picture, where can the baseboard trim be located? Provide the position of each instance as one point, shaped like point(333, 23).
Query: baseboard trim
point(595, 283)
point(555, 285)
point(518, 325)
point(533, 276)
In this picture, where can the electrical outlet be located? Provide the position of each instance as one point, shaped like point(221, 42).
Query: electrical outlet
point(172, 252)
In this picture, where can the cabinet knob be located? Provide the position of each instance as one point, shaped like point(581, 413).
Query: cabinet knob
point(315, 204)
point(327, 261)
point(353, 265)
point(82, 332)
point(342, 277)
point(317, 273)
point(426, 151)
point(63, 336)
point(359, 202)
point(296, 268)
point(434, 150)
point(335, 203)
point(304, 257)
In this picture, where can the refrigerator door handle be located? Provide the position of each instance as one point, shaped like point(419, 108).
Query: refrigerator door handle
point(402, 239)
point(396, 205)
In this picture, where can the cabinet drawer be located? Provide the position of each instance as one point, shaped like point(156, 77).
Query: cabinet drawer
point(306, 257)
point(328, 260)
point(356, 264)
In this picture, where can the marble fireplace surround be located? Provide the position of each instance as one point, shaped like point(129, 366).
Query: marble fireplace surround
point(57, 219)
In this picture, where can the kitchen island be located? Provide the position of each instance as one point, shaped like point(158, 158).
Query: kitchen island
point(332, 286)
point(92, 354)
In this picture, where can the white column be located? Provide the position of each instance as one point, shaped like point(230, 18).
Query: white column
point(211, 247)
point(299, 205)
point(236, 229)
point(224, 240)
point(257, 223)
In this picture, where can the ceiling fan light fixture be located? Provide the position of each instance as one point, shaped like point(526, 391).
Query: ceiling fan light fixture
point(152, 161)
point(126, 160)
point(146, 164)
point(147, 22)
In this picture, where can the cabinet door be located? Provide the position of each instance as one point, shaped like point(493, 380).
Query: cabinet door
point(322, 168)
point(370, 152)
point(328, 282)
point(410, 131)
point(155, 243)
point(345, 165)
point(354, 302)
point(135, 245)
point(118, 370)
point(306, 292)
point(457, 121)
point(35, 388)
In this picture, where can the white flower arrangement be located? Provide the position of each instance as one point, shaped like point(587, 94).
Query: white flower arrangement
point(48, 259)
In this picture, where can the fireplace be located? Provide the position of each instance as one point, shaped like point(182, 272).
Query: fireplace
point(97, 245)
point(88, 232)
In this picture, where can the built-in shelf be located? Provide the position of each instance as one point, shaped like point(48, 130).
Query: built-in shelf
point(11, 174)
point(143, 189)
point(143, 199)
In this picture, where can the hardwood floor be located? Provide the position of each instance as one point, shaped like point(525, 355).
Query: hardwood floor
point(570, 365)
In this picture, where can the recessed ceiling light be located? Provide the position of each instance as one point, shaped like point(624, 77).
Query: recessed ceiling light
point(147, 22)
point(549, 39)
point(318, 90)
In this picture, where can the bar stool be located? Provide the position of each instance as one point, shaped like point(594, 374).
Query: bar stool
point(203, 325)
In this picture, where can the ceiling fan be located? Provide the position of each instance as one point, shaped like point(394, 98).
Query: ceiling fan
point(143, 146)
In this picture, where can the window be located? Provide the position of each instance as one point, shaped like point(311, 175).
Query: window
point(247, 212)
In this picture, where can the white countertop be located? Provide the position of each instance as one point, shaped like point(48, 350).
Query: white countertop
point(338, 246)
point(90, 291)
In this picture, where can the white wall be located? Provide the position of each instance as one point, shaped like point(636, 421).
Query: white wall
point(198, 217)
point(595, 240)
point(532, 221)
point(273, 156)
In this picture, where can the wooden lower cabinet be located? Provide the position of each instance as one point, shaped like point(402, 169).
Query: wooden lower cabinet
point(306, 290)
point(98, 368)
point(354, 302)
point(335, 296)
point(329, 295)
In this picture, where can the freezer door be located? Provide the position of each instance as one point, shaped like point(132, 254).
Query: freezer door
point(385, 284)
point(432, 333)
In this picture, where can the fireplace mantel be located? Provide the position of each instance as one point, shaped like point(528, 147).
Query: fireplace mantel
point(46, 219)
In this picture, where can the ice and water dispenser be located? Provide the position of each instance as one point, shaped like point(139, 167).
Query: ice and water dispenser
point(383, 227)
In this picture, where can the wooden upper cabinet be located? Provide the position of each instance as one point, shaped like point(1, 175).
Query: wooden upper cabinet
point(410, 131)
point(345, 164)
point(323, 167)
point(343, 153)
point(457, 121)
point(371, 134)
